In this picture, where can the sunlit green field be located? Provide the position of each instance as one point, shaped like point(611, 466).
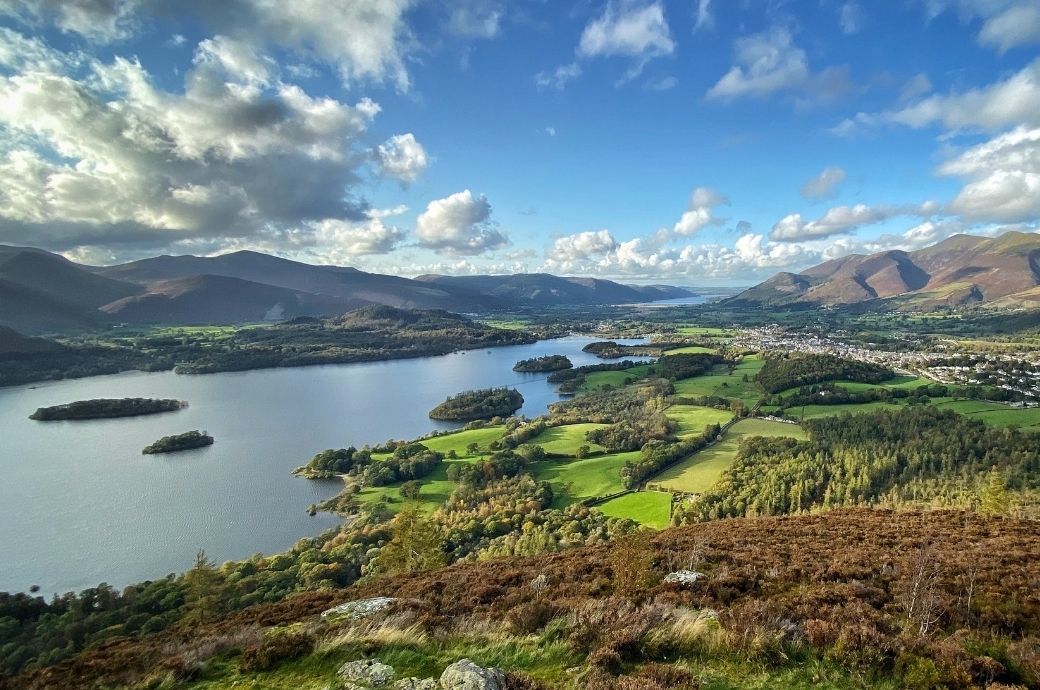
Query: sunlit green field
point(614, 379)
point(691, 350)
point(692, 419)
point(724, 384)
point(707, 331)
point(565, 440)
point(699, 472)
point(650, 508)
point(574, 480)
point(459, 440)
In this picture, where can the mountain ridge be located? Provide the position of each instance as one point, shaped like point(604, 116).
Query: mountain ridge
point(960, 270)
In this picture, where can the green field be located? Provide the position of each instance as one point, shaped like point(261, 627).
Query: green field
point(724, 384)
point(691, 350)
point(614, 379)
point(994, 414)
point(459, 440)
point(565, 440)
point(708, 331)
point(699, 472)
point(817, 411)
point(650, 508)
point(574, 480)
point(692, 418)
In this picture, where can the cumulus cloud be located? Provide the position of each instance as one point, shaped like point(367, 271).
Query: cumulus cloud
point(1006, 103)
point(379, 39)
point(770, 62)
point(841, 220)
point(628, 28)
point(699, 211)
point(824, 185)
point(97, 153)
point(402, 157)
point(459, 224)
point(568, 253)
point(342, 240)
point(1003, 178)
point(475, 18)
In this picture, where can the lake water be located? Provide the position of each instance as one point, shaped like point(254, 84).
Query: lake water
point(80, 504)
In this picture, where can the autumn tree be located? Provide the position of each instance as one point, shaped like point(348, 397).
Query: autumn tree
point(416, 544)
point(203, 588)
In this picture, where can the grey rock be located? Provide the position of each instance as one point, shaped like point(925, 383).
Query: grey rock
point(353, 610)
point(366, 673)
point(417, 684)
point(465, 675)
point(684, 577)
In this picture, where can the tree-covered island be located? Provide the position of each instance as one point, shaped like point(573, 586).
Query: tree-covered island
point(177, 442)
point(543, 364)
point(104, 408)
point(479, 404)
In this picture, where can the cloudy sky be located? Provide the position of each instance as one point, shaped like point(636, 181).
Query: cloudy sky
point(694, 141)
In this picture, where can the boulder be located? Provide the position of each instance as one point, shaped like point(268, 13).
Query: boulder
point(358, 609)
point(417, 684)
point(684, 578)
point(366, 673)
point(465, 675)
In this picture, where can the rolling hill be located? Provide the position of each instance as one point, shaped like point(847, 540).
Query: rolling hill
point(544, 289)
point(41, 292)
point(960, 270)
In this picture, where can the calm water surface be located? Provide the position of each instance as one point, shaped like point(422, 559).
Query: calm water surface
point(80, 504)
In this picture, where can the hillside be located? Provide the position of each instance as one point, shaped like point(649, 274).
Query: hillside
point(543, 289)
point(851, 598)
point(335, 281)
point(218, 299)
point(12, 342)
point(961, 270)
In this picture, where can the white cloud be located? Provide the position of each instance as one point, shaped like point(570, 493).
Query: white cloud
point(378, 42)
point(402, 157)
point(97, 153)
point(570, 252)
point(1004, 178)
point(919, 85)
point(824, 185)
point(1006, 24)
point(836, 221)
point(1015, 26)
point(475, 18)
point(341, 240)
point(766, 63)
point(851, 18)
point(628, 28)
point(459, 224)
point(558, 78)
point(704, 17)
point(698, 214)
point(1007, 103)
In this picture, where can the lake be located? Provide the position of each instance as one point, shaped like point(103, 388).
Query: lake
point(80, 504)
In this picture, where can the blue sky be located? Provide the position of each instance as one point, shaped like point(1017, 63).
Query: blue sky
point(696, 142)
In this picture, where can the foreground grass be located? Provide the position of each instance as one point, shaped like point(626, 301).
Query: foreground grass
point(650, 508)
point(700, 471)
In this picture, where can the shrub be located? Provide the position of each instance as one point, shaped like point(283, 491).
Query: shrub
point(275, 647)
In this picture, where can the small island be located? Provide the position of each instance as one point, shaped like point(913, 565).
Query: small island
point(185, 441)
point(543, 364)
point(479, 404)
point(105, 408)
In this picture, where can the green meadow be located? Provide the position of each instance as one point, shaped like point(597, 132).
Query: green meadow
point(650, 508)
point(721, 382)
point(565, 440)
point(700, 471)
point(692, 418)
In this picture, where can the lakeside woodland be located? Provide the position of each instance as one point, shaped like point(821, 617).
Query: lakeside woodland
point(106, 408)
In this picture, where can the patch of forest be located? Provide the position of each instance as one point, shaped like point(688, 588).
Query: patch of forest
point(178, 442)
point(780, 373)
point(484, 403)
point(102, 408)
point(543, 364)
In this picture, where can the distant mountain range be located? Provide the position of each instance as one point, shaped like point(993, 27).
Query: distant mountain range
point(44, 292)
point(961, 270)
